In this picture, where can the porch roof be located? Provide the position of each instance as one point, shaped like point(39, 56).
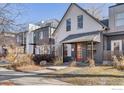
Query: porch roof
point(95, 36)
point(114, 33)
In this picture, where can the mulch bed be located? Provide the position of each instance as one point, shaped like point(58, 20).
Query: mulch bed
point(7, 83)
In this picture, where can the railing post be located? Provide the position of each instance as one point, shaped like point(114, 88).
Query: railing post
point(92, 50)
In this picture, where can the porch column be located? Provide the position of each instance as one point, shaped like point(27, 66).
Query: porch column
point(75, 54)
point(63, 52)
point(92, 50)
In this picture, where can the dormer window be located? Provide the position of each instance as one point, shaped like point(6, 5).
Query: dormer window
point(80, 21)
point(68, 24)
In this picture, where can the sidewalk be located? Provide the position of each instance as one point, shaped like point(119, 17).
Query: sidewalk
point(31, 78)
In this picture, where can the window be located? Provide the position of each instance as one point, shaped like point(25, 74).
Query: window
point(80, 21)
point(18, 39)
point(41, 35)
point(68, 24)
point(120, 19)
point(116, 45)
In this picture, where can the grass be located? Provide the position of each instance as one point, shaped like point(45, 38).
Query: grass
point(94, 81)
point(99, 75)
point(29, 68)
point(98, 70)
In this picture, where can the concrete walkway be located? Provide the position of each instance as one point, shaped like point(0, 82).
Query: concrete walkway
point(56, 67)
point(34, 78)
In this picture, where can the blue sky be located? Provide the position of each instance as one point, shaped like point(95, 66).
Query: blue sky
point(35, 12)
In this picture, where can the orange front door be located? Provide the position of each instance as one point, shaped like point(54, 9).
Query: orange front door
point(81, 52)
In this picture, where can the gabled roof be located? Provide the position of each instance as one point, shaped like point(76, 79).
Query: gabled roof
point(98, 21)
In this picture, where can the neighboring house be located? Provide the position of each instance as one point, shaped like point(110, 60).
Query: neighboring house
point(7, 38)
point(30, 38)
point(21, 40)
point(114, 38)
point(44, 42)
point(79, 36)
point(40, 39)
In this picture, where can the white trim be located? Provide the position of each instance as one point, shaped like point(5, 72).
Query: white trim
point(114, 41)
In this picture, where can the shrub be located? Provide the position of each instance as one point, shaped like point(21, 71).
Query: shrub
point(68, 59)
point(115, 61)
point(120, 66)
point(21, 60)
point(11, 57)
point(91, 62)
point(118, 62)
point(72, 64)
point(44, 57)
point(58, 61)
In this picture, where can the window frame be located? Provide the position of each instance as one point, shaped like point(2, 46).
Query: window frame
point(41, 34)
point(68, 26)
point(116, 41)
point(80, 21)
point(119, 19)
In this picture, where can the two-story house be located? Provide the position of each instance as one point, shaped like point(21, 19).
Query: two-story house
point(79, 35)
point(40, 39)
point(21, 40)
point(114, 38)
point(7, 38)
point(44, 41)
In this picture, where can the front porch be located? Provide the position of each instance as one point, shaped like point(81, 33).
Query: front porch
point(80, 51)
point(81, 48)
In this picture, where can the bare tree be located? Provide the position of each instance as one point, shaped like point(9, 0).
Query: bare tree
point(8, 15)
point(96, 11)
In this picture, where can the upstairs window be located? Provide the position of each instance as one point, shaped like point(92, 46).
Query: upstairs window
point(120, 19)
point(80, 21)
point(18, 39)
point(41, 35)
point(68, 24)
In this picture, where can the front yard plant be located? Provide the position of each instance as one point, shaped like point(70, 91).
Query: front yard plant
point(118, 62)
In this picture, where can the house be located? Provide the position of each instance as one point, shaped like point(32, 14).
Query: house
point(79, 36)
point(39, 37)
point(30, 38)
point(44, 41)
point(21, 41)
point(114, 38)
point(7, 39)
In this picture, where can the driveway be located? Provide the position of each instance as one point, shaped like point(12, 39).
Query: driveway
point(32, 78)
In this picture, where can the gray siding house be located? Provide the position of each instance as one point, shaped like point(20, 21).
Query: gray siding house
point(114, 37)
point(21, 40)
point(38, 39)
point(43, 40)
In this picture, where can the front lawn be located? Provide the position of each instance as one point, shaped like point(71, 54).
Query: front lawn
point(99, 75)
